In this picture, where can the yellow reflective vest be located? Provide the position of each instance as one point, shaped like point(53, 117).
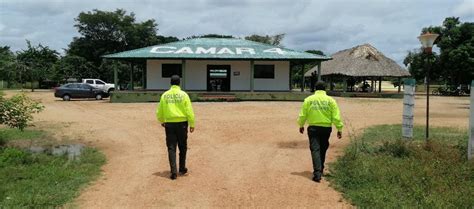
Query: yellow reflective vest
point(320, 110)
point(175, 106)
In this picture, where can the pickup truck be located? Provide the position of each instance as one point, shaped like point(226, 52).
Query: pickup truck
point(97, 83)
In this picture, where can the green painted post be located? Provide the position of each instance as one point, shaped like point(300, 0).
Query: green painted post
point(470, 146)
point(116, 78)
point(251, 75)
point(183, 66)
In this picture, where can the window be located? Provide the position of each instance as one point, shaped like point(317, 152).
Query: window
point(99, 82)
point(90, 81)
point(167, 70)
point(71, 86)
point(264, 71)
point(86, 86)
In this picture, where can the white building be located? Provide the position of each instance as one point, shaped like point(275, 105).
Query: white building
point(219, 64)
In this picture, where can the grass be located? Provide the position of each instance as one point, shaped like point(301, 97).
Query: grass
point(381, 170)
point(42, 180)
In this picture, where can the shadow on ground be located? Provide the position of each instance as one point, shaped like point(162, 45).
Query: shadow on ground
point(293, 145)
point(164, 174)
point(305, 174)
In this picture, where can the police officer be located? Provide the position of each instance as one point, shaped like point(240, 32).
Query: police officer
point(320, 111)
point(175, 114)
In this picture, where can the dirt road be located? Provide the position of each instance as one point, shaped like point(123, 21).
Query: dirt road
point(246, 154)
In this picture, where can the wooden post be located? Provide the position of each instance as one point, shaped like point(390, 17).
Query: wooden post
point(331, 87)
point(399, 85)
point(344, 80)
point(372, 85)
point(252, 69)
point(302, 77)
point(380, 84)
point(319, 71)
point(183, 74)
point(408, 108)
point(470, 146)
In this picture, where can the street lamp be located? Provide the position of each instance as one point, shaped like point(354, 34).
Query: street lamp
point(427, 39)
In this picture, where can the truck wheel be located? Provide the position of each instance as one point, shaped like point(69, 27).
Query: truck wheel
point(98, 97)
point(110, 90)
point(66, 97)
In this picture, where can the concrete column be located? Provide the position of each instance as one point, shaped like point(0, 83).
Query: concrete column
point(116, 78)
point(289, 81)
point(408, 108)
point(131, 76)
point(252, 69)
point(470, 146)
point(144, 77)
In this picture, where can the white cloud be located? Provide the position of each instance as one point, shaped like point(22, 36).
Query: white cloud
point(465, 9)
point(328, 25)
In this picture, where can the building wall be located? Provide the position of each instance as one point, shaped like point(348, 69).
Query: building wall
point(281, 80)
point(196, 75)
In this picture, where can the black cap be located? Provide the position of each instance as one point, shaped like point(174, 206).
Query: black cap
point(175, 80)
point(320, 85)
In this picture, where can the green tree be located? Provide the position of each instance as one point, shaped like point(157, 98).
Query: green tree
point(455, 62)
point(71, 66)
point(211, 35)
point(38, 62)
point(267, 39)
point(315, 51)
point(7, 64)
point(104, 32)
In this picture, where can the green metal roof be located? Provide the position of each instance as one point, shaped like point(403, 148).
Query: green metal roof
point(216, 48)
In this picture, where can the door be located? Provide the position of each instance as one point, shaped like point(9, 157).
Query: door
point(86, 91)
point(218, 77)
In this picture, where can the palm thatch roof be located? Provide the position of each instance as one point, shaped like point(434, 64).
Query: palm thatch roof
point(360, 61)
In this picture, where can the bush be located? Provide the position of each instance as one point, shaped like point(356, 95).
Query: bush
point(18, 111)
point(381, 170)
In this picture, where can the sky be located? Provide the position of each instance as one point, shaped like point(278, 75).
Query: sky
point(391, 26)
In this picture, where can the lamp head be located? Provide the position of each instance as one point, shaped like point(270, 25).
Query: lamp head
point(427, 40)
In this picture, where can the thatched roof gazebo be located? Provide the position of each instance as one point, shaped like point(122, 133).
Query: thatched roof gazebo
point(360, 61)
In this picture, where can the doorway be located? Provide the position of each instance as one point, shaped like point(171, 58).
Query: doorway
point(218, 77)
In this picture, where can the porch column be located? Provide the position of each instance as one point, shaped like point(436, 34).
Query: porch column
point(144, 77)
point(302, 77)
point(289, 76)
point(183, 74)
point(131, 76)
point(319, 71)
point(252, 69)
point(116, 78)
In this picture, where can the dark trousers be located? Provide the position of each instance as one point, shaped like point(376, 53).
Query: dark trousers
point(318, 144)
point(177, 135)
